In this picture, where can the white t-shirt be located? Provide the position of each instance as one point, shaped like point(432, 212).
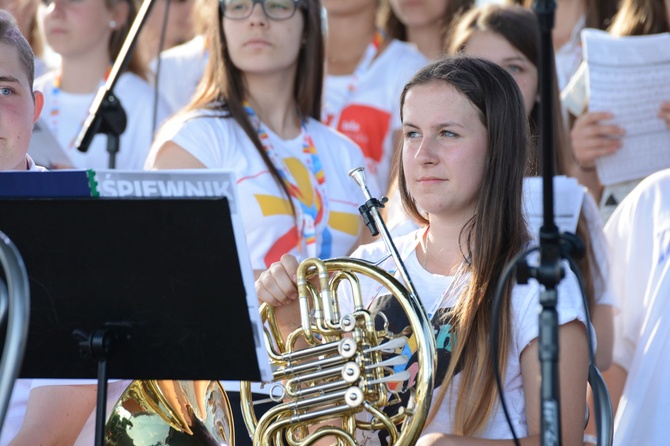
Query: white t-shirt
point(31, 166)
point(525, 308)
point(65, 114)
point(602, 290)
point(570, 55)
point(639, 238)
point(41, 66)
point(371, 114)
point(181, 69)
point(400, 223)
point(16, 410)
point(270, 227)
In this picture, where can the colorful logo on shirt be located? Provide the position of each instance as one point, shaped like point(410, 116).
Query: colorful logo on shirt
point(399, 324)
point(311, 201)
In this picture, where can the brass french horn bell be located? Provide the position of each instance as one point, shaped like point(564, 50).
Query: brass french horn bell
point(171, 413)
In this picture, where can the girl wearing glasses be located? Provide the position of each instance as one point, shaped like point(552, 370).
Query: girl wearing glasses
point(88, 36)
point(257, 111)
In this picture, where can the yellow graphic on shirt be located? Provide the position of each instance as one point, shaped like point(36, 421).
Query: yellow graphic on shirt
point(273, 205)
point(344, 222)
point(309, 202)
point(302, 179)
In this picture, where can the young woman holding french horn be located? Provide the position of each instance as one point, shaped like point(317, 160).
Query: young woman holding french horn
point(465, 134)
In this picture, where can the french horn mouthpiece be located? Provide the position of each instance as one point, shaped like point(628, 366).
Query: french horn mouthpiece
point(358, 175)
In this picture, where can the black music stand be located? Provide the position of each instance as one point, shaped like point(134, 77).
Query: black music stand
point(159, 277)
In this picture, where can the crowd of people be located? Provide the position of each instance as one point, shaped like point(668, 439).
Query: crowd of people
point(440, 100)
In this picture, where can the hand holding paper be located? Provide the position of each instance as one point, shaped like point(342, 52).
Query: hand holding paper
point(628, 77)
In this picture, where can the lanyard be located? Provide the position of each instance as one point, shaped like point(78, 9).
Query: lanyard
point(332, 117)
point(310, 208)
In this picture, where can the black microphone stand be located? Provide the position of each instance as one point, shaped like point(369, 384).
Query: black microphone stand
point(550, 272)
point(100, 345)
point(106, 114)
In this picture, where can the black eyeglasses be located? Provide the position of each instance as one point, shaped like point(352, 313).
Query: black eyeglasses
point(273, 9)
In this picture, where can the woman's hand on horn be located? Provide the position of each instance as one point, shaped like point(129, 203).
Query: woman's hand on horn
point(276, 285)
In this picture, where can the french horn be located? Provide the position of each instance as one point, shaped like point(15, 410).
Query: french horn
point(345, 383)
point(337, 376)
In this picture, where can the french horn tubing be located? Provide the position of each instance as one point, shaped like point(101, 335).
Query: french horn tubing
point(15, 310)
point(337, 374)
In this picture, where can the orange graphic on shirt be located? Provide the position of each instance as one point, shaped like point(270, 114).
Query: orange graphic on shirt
point(366, 126)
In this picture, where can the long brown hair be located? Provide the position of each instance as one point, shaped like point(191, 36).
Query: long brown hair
point(639, 18)
point(223, 87)
point(492, 238)
point(519, 26)
point(396, 29)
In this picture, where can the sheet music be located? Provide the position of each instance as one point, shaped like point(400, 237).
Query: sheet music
point(630, 77)
point(195, 183)
point(568, 197)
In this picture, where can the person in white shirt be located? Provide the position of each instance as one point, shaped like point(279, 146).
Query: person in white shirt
point(639, 236)
point(178, 27)
point(366, 70)
point(88, 36)
point(178, 71)
point(257, 112)
point(509, 35)
point(424, 24)
point(593, 135)
point(571, 17)
point(461, 172)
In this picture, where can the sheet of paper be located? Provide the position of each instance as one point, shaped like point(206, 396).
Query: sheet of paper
point(630, 77)
point(568, 197)
point(194, 183)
